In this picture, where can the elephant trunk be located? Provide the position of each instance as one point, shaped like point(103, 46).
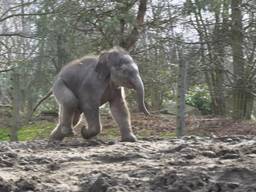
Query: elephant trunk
point(139, 87)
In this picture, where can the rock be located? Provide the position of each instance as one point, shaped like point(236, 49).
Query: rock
point(53, 166)
point(210, 154)
point(117, 189)
point(119, 157)
point(230, 156)
point(171, 108)
point(5, 186)
point(102, 184)
point(175, 149)
point(24, 185)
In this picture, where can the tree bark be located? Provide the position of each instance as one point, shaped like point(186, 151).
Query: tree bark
point(16, 121)
point(156, 98)
point(132, 38)
point(218, 98)
point(181, 91)
point(63, 56)
point(242, 98)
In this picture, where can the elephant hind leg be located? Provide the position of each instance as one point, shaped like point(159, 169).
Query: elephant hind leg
point(79, 122)
point(67, 106)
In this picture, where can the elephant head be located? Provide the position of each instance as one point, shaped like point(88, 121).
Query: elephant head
point(118, 66)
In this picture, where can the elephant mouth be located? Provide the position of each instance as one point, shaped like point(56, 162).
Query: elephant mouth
point(130, 85)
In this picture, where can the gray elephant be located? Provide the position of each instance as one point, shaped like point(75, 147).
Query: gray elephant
point(85, 84)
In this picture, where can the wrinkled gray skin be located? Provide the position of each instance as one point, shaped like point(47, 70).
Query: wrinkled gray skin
point(84, 85)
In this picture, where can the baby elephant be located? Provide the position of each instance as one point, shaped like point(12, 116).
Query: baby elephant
point(85, 84)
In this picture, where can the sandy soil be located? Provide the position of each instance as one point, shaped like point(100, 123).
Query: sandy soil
point(197, 164)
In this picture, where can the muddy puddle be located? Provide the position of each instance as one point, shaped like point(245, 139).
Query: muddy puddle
point(197, 164)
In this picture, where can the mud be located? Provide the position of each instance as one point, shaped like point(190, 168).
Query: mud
point(197, 164)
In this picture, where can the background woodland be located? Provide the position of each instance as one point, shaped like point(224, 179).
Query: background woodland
point(213, 40)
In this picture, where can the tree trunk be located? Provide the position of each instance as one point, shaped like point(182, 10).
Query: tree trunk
point(156, 98)
point(218, 99)
point(181, 91)
point(132, 38)
point(16, 122)
point(241, 97)
point(214, 74)
point(29, 111)
point(63, 55)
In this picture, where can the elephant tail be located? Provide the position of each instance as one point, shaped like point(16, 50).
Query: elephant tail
point(41, 100)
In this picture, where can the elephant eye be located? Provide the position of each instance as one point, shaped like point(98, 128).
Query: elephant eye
point(128, 72)
point(125, 71)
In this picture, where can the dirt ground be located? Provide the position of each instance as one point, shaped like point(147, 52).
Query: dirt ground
point(213, 161)
point(198, 164)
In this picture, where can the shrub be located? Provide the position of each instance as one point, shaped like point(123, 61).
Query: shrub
point(198, 96)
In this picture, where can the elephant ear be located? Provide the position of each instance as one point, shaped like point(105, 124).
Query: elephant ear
point(103, 68)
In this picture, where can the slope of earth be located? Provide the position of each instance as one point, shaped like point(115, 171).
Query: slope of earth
point(164, 125)
point(197, 164)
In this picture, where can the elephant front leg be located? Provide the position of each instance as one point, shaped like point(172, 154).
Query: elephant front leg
point(93, 121)
point(121, 115)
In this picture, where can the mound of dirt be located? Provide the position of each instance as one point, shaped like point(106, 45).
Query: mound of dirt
point(222, 164)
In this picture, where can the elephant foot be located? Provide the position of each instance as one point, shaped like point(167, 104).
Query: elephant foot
point(129, 138)
point(67, 132)
point(55, 136)
point(59, 133)
point(87, 133)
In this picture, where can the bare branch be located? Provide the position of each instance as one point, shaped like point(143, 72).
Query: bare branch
point(134, 35)
point(6, 70)
point(17, 6)
point(24, 15)
point(17, 34)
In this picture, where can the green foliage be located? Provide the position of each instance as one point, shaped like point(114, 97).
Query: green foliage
point(48, 106)
point(42, 129)
point(4, 134)
point(198, 96)
point(39, 130)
